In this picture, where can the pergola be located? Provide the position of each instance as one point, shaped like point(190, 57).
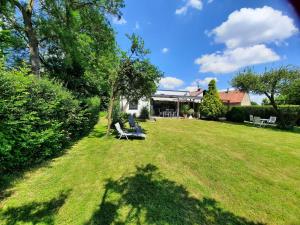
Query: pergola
point(178, 99)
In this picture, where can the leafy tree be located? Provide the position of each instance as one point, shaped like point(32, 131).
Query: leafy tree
point(38, 22)
point(254, 103)
point(135, 77)
point(80, 44)
point(265, 101)
point(293, 93)
point(19, 15)
point(212, 106)
point(271, 83)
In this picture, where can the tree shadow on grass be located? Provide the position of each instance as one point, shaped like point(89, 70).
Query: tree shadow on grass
point(145, 197)
point(34, 212)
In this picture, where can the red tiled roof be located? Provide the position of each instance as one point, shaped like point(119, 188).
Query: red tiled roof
point(196, 93)
point(232, 97)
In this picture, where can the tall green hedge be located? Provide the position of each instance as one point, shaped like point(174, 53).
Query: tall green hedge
point(291, 113)
point(38, 118)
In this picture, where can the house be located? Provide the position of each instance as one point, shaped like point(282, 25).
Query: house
point(168, 102)
point(235, 98)
point(163, 102)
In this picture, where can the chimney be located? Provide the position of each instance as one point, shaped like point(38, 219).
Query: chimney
point(227, 90)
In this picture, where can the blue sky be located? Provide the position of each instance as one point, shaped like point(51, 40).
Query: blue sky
point(193, 41)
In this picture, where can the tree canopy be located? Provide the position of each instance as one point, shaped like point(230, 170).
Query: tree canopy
point(271, 83)
point(135, 77)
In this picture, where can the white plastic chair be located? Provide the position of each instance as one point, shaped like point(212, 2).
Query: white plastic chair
point(257, 121)
point(126, 134)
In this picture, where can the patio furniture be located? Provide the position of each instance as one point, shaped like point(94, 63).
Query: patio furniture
point(251, 119)
point(272, 121)
point(127, 134)
point(257, 121)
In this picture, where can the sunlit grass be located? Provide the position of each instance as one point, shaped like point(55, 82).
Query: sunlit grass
point(185, 172)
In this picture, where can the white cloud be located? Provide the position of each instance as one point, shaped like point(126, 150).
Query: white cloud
point(200, 82)
point(210, 1)
point(233, 59)
point(191, 88)
point(170, 82)
point(165, 50)
point(137, 25)
point(119, 21)
point(204, 82)
point(248, 27)
point(195, 4)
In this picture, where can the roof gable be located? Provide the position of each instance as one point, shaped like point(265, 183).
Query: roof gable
point(233, 97)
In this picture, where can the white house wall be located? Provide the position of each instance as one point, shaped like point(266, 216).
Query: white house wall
point(141, 104)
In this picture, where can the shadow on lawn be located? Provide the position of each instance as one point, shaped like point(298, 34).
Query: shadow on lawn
point(34, 212)
point(147, 198)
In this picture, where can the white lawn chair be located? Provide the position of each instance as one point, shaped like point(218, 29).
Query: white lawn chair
point(251, 119)
point(126, 134)
point(272, 121)
point(257, 121)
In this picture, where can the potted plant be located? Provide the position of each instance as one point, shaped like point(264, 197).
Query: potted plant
point(191, 112)
point(185, 110)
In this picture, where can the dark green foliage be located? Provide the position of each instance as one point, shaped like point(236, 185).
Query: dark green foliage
point(145, 114)
point(212, 106)
point(38, 118)
point(291, 114)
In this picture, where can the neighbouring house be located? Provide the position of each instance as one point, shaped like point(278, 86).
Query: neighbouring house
point(235, 98)
point(164, 102)
point(167, 103)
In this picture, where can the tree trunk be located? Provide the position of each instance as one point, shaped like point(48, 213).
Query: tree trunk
point(278, 112)
point(33, 42)
point(109, 113)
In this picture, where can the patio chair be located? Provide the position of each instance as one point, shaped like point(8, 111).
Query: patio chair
point(127, 134)
point(272, 121)
point(257, 121)
point(251, 119)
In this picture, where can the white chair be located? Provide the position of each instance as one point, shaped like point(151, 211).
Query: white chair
point(251, 119)
point(272, 121)
point(257, 121)
point(126, 134)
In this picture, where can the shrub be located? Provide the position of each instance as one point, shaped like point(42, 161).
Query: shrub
point(118, 116)
point(191, 112)
point(184, 109)
point(291, 114)
point(38, 118)
point(145, 115)
point(212, 107)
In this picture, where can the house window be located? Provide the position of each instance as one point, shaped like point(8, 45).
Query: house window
point(133, 105)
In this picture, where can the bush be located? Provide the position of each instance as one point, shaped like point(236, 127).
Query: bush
point(212, 107)
point(145, 115)
point(38, 118)
point(291, 114)
point(184, 109)
point(118, 116)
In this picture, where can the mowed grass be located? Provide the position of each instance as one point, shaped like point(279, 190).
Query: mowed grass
point(185, 172)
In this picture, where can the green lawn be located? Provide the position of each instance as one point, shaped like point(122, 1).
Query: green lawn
point(185, 172)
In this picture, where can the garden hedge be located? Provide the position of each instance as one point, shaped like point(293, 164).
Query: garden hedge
point(291, 113)
point(38, 118)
